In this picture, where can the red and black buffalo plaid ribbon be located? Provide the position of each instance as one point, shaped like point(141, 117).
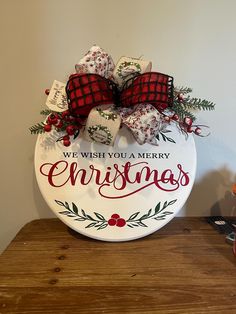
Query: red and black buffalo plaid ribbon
point(151, 87)
point(85, 91)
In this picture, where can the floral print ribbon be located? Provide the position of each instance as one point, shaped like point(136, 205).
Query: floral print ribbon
point(96, 61)
point(144, 121)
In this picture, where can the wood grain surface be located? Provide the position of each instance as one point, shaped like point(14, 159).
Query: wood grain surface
point(184, 268)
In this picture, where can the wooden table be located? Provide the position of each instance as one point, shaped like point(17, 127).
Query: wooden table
point(186, 267)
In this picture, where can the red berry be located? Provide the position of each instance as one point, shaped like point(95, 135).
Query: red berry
point(167, 119)
point(59, 124)
point(66, 137)
point(65, 114)
point(47, 128)
point(188, 121)
point(115, 216)
point(52, 119)
point(112, 222)
point(79, 120)
point(180, 97)
point(66, 143)
point(47, 91)
point(175, 117)
point(120, 222)
point(189, 129)
point(198, 131)
point(70, 129)
point(70, 119)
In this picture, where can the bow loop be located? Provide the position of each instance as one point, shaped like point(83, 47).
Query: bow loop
point(152, 87)
point(86, 91)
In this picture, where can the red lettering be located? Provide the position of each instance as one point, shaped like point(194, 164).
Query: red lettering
point(119, 178)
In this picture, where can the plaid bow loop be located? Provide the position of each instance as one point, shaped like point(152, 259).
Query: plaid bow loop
point(86, 91)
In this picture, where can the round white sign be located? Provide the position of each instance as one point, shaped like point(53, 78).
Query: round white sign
point(116, 193)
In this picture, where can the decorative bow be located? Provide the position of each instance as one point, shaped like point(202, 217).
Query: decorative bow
point(86, 91)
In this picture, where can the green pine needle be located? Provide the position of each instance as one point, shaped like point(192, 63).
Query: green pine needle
point(188, 104)
point(183, 90)
point(46, 112)
point(37, 128)
point(199, 104)
point(182, 112)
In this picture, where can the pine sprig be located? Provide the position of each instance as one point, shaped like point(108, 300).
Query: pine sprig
point(37, 128)
point(198, 104)
point(46, 112)
point(182, 112)
point(182, 90)
point(184, 105)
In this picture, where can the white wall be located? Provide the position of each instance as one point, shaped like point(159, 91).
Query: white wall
point(194, 40)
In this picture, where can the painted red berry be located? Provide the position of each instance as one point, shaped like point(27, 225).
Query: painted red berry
point(198, 131)
point(47, 128)
point(120, 222)
point(47, 91)
point(188, 121)
point(115, 216)
point(66, 143)
point(70, 129)
point(112, 222)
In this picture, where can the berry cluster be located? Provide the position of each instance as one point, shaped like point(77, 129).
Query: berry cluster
point(115, 220)
point(64, 122)
point(181, 112)
point(186, 124)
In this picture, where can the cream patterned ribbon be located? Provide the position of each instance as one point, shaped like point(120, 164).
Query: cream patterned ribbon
point(97, 61)
point(127, 68)
point(144, 122)
point(102, 125)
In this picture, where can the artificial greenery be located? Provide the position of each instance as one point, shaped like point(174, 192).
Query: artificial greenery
point(37, 128)
point(184, 105)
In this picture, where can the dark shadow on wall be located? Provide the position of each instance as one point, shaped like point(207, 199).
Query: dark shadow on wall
point(203, 200)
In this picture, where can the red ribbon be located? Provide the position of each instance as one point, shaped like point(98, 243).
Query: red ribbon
point(86, 91)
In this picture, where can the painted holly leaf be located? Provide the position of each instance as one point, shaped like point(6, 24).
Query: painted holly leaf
point(157, 208)
point(133, 216)
point(171, 202)
point(102, 226)
point(99, 216)
point(100, 222)
point(164, 137)
point(74, 208)
point(91, 225)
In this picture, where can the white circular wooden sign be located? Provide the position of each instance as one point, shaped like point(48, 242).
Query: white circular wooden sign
point(117, 193)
